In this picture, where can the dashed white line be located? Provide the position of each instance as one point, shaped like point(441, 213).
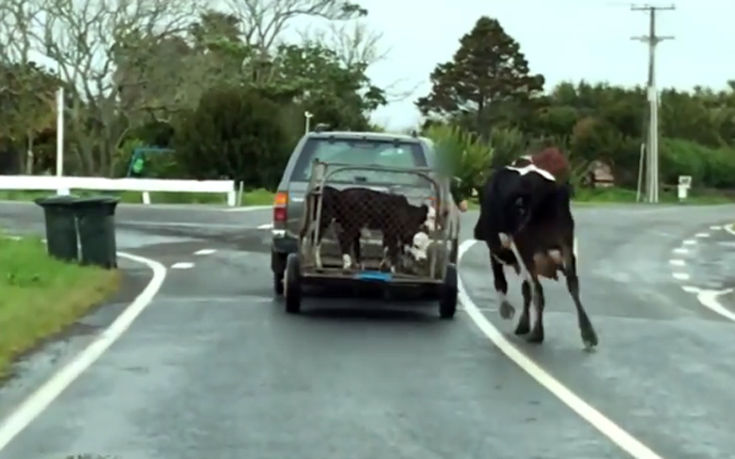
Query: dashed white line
point(708, 298)
point(681, 251)
point(205, 252)
point(677, 262)
point(607, 427)
point(182, 265)
point(715, 227)
point(690, 289)
point(265, 226)
point(39, 400)
point(690, 242)
point(701, 235)
point(681, 276)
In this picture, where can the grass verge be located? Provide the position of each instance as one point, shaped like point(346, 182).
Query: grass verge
point(41, 295)
point(255, 197)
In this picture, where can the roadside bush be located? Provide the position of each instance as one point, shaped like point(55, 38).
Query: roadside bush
point(463, 155)
point(233, 133)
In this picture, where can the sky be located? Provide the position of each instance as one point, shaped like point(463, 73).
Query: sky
point(565, 40)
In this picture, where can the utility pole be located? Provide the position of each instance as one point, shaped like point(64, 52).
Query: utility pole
point(652, 39)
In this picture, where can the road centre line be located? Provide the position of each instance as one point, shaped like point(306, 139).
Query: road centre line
point(39, 400)
point(607, 427)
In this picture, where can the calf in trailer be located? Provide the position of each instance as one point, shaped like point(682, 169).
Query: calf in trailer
point(359, 209)
point(526, 221)
point(393, 215)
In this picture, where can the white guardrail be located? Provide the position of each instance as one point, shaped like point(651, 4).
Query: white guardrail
point(63, 185)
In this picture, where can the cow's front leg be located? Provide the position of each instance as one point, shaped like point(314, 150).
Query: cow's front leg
point(501, 288)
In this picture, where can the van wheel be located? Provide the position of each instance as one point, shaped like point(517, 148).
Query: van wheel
point(448, 293)
point(293, 284)
point(278, 283)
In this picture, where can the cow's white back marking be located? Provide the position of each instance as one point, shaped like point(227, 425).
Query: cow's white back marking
point(532, 168)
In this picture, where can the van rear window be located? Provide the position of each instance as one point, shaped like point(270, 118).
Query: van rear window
point(361, 152)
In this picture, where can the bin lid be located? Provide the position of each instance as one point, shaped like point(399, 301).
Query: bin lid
point(56, 200)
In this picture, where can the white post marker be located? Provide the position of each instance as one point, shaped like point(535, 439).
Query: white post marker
point(60, 136)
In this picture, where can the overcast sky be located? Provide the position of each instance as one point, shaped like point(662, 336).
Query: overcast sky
point(562, 39)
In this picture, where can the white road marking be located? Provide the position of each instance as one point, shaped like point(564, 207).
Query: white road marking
point(39, 400)
point(205, 252)
point(689, 242)
point(691, 289)
point(184, 224)
point(701, 235)
point(729, 229)
point(681, 251)
point(681, 276)
point(182, 265)
point(715, 227)
point(265, 226)
point(607, 427)
point(708, 298)
point(676, 262)
point(247, 208)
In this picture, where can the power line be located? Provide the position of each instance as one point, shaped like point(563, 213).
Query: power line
point(652, 148)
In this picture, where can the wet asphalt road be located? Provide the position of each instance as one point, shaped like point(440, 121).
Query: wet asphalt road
point(215, 368)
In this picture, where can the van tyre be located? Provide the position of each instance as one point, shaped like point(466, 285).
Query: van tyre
point(278, 283)
point(448, 293)
point(292, 284)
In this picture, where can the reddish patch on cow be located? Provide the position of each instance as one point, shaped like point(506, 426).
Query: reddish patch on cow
point(553, 161)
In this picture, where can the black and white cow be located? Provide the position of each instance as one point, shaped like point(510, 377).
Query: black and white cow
point(526, 221)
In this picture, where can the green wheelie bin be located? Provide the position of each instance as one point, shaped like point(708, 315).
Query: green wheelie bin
point(96, 221)
point(61, 226)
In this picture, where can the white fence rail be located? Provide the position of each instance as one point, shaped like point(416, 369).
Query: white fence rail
point(63, 185)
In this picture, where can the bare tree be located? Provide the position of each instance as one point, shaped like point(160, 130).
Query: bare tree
point(263, 21)
point(86, 39)
point(353, 42)
point(21, 80)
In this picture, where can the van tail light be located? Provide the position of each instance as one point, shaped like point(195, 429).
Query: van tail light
point(279, 207)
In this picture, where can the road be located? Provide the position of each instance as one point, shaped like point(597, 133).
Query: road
point(215, 368)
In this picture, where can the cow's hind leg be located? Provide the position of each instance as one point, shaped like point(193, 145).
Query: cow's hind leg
point(501, 288)
point(537, 333)
point(589, 336)
point(524, 323)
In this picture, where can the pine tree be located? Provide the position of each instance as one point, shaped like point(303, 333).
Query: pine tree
point(487, 80)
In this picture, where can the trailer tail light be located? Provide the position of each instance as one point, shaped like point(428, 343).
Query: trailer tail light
point(279, 207)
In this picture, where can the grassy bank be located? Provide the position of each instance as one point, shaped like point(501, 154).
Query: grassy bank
point(40, 295)
point(249, 198)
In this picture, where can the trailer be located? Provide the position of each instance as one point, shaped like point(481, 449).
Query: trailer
point(388, 226)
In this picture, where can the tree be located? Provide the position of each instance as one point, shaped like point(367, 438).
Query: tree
point(233, 133)
point(314, 78)
point(86, 38)
point(488, 75)
point(262, 22)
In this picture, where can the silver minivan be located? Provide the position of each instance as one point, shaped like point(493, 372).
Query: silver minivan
point(358, 148)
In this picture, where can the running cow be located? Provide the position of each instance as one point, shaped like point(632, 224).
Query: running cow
point(526, 221)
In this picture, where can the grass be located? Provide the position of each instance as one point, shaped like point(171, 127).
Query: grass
point(41, 295)
point(255, 197)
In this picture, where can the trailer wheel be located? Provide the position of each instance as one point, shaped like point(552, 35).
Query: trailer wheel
point(292, 283)
point(278, 283)
point(448, 293)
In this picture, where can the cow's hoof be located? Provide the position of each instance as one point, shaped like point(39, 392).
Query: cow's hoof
point(523, 326)
point(536, 336)
point(507, 310)
point(589, 338)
